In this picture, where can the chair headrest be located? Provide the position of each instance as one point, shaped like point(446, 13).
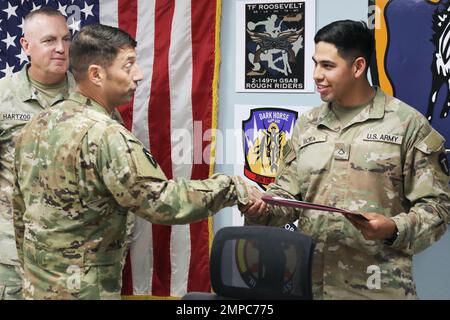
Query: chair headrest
point(259, 262)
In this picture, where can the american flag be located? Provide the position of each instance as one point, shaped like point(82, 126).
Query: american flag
point(178, 53)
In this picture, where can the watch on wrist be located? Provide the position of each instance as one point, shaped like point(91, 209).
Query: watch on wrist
point(392, 239)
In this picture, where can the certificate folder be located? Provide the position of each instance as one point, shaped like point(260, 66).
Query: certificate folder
point(279, 201)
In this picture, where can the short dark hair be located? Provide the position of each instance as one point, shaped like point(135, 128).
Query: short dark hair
point(97, 44)
point(46, 11)
point(351, 38)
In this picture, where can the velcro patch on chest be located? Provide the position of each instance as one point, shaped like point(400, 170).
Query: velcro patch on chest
point(307, 140)
point(12, 116)
point(383, 137)
point(341, 151)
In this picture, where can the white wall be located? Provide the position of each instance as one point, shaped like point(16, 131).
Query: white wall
point(432, 267)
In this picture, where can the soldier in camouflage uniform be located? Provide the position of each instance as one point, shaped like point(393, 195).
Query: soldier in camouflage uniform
point(366, 152)
point(39, 85)
point(78, 172)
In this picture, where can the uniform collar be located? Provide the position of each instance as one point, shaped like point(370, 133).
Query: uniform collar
point(86, 101)
point(27, 91)
point(328, 118)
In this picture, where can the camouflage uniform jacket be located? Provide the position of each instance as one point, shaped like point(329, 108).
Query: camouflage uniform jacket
point(19, 101)
point(78, 173)
point(387, 160)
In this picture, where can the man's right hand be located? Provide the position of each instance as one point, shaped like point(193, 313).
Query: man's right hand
point(255, 207)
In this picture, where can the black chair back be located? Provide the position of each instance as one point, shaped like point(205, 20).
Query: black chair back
point(260, 262)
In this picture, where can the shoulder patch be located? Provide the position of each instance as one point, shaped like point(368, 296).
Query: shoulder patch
point(145, 164)
point(431, 143)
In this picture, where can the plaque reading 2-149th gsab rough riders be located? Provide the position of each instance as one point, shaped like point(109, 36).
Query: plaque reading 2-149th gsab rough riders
point(274, 55)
